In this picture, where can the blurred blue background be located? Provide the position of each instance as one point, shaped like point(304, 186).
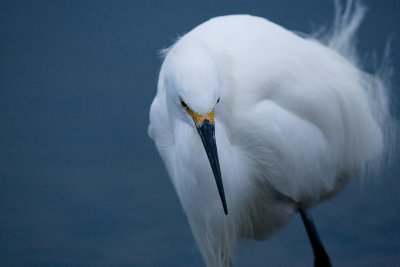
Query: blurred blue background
point(81, 184)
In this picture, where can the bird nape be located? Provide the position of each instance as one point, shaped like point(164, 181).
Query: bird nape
point(256, 120)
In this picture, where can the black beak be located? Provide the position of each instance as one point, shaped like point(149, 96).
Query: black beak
point(207, 133)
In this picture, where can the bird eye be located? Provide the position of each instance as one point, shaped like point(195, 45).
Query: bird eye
point(183, 104)
point(218, 100)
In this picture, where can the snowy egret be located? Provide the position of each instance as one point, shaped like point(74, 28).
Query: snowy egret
point(265, 122)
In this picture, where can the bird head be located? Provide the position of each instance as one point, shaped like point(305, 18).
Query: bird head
point(191, 76)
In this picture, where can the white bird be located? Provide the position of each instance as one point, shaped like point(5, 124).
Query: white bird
point(278, 121)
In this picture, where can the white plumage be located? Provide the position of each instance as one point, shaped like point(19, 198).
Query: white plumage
point(294, 122)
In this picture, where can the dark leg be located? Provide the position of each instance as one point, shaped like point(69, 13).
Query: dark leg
point(321, 258)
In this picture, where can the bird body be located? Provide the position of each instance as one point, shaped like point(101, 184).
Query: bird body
point(293, 122)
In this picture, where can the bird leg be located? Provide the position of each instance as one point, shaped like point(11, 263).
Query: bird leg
point(321, 258)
